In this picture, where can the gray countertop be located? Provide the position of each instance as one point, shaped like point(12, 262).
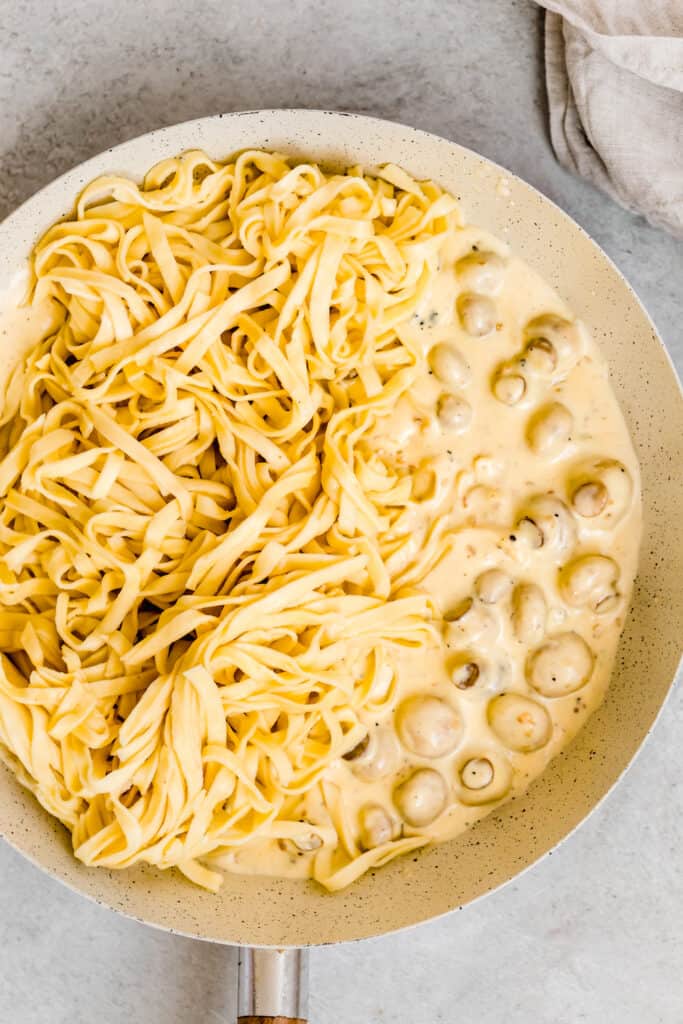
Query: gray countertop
point(592, 934)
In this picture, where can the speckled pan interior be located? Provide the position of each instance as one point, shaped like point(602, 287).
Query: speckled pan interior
point(269, 912)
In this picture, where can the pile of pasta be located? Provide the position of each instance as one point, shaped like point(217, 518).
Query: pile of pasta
point(202, 564)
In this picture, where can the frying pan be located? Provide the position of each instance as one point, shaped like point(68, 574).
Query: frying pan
point(278, 915)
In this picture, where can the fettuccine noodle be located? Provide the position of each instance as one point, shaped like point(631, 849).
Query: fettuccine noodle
point(201, 570)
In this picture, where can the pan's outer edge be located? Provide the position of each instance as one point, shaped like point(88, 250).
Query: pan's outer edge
point(274, 913)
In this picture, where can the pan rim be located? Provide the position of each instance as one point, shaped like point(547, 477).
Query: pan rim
point(70, 183)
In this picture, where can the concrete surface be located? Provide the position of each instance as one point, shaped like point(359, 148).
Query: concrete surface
point(594, 933)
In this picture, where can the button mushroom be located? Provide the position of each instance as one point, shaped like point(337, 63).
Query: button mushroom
point(601, 490)
point(376, 826)
point(450, 366)
point(540, 357)
point(564, 336)
point(464, 674)
point(483, 777)
point(485, 506)
point(468, 621)
point(482, 272)
point(529, 533)
point(477, 773)
point(428, 726)
point(520, 723)
point(454, 413)
point(421, 798)
point(509, 387)
point(493, 586)
point(590, 499)
point(477, 314)
point(549, 429)
point(547, 523)
point(376, 756)
point(529, 610)
point(562, 664)
point(590, 581)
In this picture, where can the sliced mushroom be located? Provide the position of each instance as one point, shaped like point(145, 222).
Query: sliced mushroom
point(428, 726)
point(450, 366)
point(477, 314)
point(509, 387)
point(376, 756)
point(562, 664)
point(376, 826)
point(432, 480)
point(549, 429)
point(424, 483)
point(493, 586)
point(590, 581)
point(483, 778)
point(529, 611)
point(520, 723)
point(421, 798)
point(482, 272)
point(460, 611)
point(454, 413)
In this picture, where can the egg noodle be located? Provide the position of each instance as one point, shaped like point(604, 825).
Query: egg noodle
point(202, 554)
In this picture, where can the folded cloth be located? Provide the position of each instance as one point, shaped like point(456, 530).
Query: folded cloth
point(614, 74)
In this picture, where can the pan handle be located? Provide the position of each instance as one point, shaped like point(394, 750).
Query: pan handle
point(272, 986)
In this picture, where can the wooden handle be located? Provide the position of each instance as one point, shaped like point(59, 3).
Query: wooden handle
point(271, 1020)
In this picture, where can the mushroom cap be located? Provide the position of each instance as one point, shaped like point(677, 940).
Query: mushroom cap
point(561, 665)
point(519, 722)
point(449, 366)
point(422, 797)
point(477, 314)
point(376, 756)
point(482, 272)
point(428, 726)
point(375, 825)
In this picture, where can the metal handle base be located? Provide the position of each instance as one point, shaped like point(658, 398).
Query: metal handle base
point(272, 986)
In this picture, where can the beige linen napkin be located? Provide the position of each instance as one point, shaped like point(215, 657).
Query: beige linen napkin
point(614, 73)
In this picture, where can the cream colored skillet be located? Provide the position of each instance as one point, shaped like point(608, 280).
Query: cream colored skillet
point(265, 912)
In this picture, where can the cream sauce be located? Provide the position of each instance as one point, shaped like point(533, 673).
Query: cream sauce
point(524, 638)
